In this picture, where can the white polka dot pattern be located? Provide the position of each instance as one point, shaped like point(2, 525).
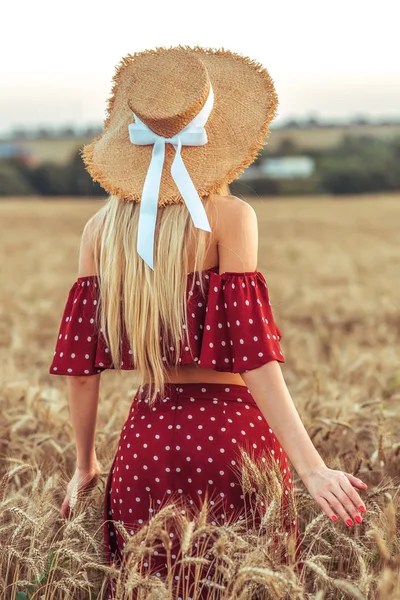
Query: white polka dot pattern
point(240, 333)
point(230, 329)
point(77, 342)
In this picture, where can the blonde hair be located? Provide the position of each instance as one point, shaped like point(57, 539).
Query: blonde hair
point(149, 307)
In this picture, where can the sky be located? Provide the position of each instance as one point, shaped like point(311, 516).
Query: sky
point(329, 60)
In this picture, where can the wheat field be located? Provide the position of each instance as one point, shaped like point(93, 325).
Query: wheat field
point(333, 270)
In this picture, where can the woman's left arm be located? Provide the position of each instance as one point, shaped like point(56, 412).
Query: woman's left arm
point(83, 397)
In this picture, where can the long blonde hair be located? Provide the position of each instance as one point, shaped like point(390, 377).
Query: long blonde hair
point(149, 307)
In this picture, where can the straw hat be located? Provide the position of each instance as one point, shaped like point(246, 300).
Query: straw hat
point(165, 89)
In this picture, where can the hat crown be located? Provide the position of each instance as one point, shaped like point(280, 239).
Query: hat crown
point(167, 90)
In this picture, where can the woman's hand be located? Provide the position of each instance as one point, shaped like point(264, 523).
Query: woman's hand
point(333, 490)
point(83, 480)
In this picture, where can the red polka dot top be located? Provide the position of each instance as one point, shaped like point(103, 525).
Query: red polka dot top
point(231, 328)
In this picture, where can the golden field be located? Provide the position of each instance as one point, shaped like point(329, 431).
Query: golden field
point(333, 270)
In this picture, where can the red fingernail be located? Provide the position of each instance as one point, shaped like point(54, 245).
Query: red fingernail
point(349, 522)
point(358, 519)
point(334, 518)
point(362, 508)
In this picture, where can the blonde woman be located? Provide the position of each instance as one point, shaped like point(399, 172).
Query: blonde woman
point(168, 285)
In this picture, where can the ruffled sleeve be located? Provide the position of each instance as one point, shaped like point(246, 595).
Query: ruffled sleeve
point(240, 333)
point(77, 342)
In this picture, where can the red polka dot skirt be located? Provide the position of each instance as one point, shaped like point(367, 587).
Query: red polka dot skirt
point(185, 448)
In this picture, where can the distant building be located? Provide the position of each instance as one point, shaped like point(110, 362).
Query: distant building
point(287, 167)
point(282, 167)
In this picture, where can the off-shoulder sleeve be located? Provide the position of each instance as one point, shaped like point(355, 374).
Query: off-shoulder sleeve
point(240, 333)
point(76, 345)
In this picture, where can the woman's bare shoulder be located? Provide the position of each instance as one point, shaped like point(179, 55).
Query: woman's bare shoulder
point(234, 214)
point(229, 202)
point(237, 235)
point(91, 232)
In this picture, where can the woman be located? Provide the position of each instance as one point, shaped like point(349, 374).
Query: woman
point(168, 284)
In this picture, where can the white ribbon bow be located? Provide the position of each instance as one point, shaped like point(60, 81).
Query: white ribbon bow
point(193, 134)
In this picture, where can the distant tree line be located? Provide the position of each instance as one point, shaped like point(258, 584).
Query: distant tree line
point(358, 164)
point(89, 131)
point(51, 133)
point(47, 179)
point(358, 120)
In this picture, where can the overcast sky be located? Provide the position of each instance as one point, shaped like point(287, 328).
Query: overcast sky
point(327, 59)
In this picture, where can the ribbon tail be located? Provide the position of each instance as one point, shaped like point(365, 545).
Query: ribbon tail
point(188, 191)
point(149, 204)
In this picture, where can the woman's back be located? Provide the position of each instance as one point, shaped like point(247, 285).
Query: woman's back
point(231, 257)
point(233, 248)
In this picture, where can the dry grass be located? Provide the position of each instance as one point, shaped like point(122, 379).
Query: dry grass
point(333, 270)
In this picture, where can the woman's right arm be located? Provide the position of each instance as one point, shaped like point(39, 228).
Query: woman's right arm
point(332, 489)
